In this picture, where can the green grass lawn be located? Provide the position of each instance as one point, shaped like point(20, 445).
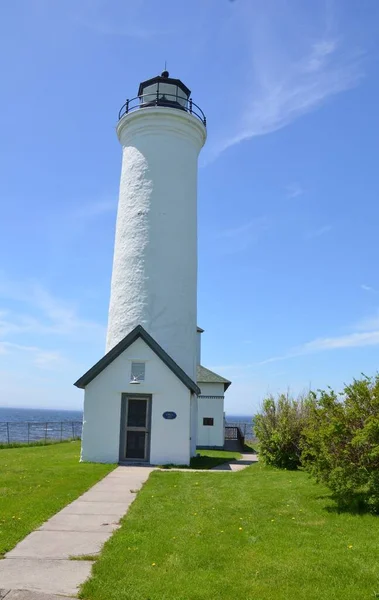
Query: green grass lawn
point(259, 534)
point(38, 481)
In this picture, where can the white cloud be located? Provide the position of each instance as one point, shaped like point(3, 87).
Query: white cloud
point(352, 340)
point(46, 314)
point(368, 323)
point(129, 19)
point(318, 232)
point(294, 69)
point(43, 359)
point(367, 288)
point(240, 237)
point(295, 189)
point(368, 336)
point(95, 209)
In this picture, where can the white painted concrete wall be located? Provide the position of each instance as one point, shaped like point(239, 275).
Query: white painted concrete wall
point(211, 407)
point(194, 417)
point(154, 278)
point(170, 439)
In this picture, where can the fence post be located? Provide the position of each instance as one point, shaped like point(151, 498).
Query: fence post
point(28, 431)
point(73, 430)
point(8, 432)
point(45, 432)
point(61, 430)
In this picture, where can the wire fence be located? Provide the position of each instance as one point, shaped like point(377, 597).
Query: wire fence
point(36, 431)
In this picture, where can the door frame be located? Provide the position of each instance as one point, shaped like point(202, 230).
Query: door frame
point(123, 426)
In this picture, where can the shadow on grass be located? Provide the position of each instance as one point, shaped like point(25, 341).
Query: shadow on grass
point(200, 462)
point(357, 504)
point(250, 448)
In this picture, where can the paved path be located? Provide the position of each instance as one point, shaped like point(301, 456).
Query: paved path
point(40, 562)
point(38, 568)
point(239, 464)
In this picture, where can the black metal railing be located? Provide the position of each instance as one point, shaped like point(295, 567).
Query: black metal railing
point(160, 99)
point(36, 431)
point(234, 433)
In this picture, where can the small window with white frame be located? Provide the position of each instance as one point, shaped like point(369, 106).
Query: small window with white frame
point(137, 372)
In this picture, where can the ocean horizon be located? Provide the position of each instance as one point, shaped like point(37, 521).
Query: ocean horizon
point(41, 423)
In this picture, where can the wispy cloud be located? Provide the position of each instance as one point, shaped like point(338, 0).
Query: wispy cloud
point(318, 232)
point(295, 189)
point(42, 314)
point(240, 237)
point(367, 288)
point(370, 323)
point(41, 358)
point(95, 209)
point(291, 74)
point(131, 19)
point(366, 333)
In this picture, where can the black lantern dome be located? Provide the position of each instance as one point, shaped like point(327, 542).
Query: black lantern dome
point(165, 91)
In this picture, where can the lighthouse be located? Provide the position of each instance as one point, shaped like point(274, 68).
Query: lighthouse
point(141, 397)
point(154, 276)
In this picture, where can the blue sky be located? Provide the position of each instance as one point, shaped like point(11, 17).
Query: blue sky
point(288, 185)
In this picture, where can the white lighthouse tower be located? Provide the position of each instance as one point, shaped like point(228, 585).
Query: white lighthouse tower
point(141, 398)
point(154, 278)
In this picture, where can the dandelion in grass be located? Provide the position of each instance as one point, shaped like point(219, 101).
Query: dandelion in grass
point(240, 528)
point(153, 564)
point(350, 546)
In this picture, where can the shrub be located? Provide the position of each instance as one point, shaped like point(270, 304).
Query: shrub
point(341, 442)
point(279, 428)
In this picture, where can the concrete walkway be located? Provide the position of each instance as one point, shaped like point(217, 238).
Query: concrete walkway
point(39, 567)
point(238, 465)
point(40, 562)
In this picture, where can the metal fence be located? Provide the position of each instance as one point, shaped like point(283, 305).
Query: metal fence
point(246, 428)
point(37, 431)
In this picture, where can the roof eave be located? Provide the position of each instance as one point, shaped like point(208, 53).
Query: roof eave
point(137, 332)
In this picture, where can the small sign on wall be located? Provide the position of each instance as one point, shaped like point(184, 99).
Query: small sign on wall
point(169, 414)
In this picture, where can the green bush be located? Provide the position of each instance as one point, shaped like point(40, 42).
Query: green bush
point(341, 442)
point(279, 428)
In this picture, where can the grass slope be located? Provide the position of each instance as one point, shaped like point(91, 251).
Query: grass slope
point(36, 482)
point(260, 534)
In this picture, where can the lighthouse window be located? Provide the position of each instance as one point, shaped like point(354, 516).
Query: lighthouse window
point(138, 371)
point(208, 421)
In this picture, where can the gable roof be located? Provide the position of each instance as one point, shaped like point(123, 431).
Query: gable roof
point(138, 332)
point(206, 376)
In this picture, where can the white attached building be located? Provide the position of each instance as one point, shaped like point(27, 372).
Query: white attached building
point(139, 405)
point(210, 408)
point(141, 398)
